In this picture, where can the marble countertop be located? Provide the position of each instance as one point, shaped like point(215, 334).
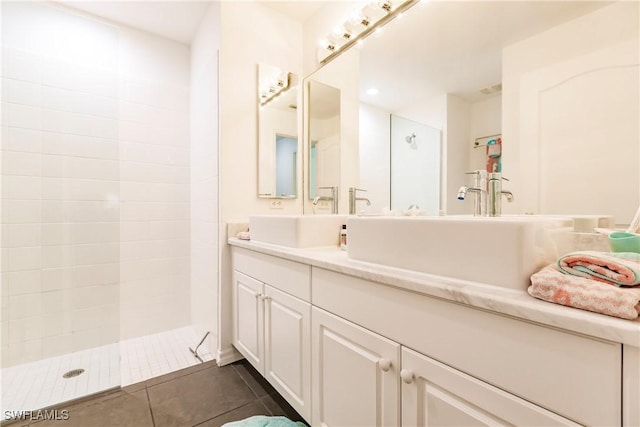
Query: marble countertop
point(515, 303)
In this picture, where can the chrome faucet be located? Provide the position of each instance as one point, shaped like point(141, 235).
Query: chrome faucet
point(353, 199)
point(333, 198)
point(488, 193)
point(479, 190)
point(495, 193)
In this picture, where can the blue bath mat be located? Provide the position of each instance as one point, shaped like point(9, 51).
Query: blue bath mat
point(264, 421)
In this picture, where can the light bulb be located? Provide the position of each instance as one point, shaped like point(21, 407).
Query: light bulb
point(357, 23)
point(385, 5)
point(328, 45)
point(373, 11)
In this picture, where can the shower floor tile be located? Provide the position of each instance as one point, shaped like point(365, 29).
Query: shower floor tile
point(159, 354)
point(41, 384)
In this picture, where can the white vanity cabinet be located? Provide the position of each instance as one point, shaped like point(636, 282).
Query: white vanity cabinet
point(434, 394)
point(354, 374)
point(346, 351)
point(521, 373)
point(271, 327)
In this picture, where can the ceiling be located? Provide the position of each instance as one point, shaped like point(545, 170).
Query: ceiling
point(299, 10)
point(177, 20)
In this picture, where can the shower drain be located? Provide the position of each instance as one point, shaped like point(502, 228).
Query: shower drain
point(73, 373)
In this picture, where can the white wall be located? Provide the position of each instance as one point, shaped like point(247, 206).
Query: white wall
point(486, 119)
point(432, 111)
point(250, 34)
point(457, 155)
point(95, 197)
point(204, 175)
point(594, 61)
point(375, 169)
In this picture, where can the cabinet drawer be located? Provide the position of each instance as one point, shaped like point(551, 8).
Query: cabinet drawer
point(288, 276)
point(572, 375)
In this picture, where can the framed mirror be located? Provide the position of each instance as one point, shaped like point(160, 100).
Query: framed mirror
point(535, 74)
point(278, 145)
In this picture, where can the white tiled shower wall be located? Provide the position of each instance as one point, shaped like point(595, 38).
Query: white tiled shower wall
point(154, 184)
point(95, 183)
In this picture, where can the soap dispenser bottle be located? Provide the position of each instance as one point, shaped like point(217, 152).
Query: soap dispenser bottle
point(343, 237)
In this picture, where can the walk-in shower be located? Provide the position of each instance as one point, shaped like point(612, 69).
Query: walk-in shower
point(95, 207)
point(415, 166)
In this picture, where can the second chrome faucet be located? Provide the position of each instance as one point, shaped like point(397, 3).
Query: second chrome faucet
point(487, 193)
point(353, 200)
point(333, 198)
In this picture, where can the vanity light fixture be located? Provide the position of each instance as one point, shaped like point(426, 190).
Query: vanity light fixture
point(371, 18)
point(281, 85)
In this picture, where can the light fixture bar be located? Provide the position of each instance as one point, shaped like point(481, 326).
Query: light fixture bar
point(280, 88)
point(369, 29)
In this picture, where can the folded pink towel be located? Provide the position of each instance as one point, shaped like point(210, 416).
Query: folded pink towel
point(617, 268)
point(551, 285)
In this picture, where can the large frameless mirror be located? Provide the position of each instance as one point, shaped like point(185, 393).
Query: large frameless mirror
point(531, 76)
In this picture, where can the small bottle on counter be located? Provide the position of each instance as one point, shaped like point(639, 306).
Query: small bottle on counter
point(343, 237)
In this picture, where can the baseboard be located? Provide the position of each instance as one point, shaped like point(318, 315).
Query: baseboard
point(227, 356)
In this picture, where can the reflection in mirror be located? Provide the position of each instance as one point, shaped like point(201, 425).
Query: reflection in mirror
point(324, 136)
point(415, 166)
point(277, 133)
point(286, 164)
point(535, 73)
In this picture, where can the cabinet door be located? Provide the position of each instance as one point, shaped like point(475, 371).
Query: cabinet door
point(434, 394)
point(287, 335)
point(354, 374)
point(248, 311)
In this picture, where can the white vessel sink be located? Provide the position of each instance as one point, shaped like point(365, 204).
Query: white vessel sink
point(501, 251)
point(297, 231)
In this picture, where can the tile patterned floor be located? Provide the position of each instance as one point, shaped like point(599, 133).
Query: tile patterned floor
point(40, 384)
point(204, 395)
